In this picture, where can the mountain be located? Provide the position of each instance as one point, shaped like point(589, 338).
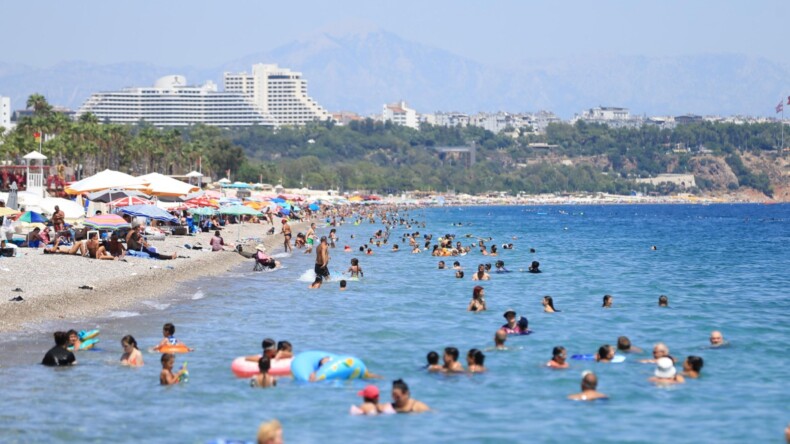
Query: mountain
point(361, 70)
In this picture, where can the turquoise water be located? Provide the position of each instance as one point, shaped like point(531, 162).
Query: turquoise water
point(723, 267)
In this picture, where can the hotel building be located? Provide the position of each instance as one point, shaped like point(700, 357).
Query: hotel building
point(170, 102)
point(400, 114)
point(278, 92)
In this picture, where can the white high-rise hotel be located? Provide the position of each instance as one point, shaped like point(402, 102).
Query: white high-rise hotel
point(5, 113)
point(270, 96)
point(278, 92)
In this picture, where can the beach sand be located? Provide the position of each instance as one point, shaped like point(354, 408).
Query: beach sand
point(51, 283)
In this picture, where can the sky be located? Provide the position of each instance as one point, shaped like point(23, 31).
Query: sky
point(205, 33)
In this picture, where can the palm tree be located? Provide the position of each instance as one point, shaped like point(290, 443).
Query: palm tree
point(38, 103)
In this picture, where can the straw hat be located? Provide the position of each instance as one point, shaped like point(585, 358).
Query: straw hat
point(260, 248)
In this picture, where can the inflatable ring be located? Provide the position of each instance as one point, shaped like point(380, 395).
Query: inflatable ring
point(338, 366)
point(243, 368)
point(86, 345)
point(178, 348)
point(84, 335)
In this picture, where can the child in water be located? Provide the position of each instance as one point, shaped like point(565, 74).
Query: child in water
point(168, 331)
point(433, 362)
point(355, 270)
point(167, 377)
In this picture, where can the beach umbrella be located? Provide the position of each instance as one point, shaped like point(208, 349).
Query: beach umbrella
point(313, 207)
point(32, 217)
point(102, 181)
point(278, 200)
point(5, 211)
point(161, 185)
point(150, 212)
point(13, 197)
point(200, 202)
point(202, 211)
point(239, 210)
point(109, 195)
point(130, 200)
point(106, 222)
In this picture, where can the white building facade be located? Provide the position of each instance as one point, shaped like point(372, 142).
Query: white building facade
point(170, 102)
point(401, 114)
point(278, 92)
point(5, 113)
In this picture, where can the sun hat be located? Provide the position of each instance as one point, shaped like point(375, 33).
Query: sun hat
point(509, 310)
point(260, 248)
point(665, 368)
point(369, 392)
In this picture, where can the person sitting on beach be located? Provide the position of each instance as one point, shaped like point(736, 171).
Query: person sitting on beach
point(216, 242)
point(534, 267)
point(624, 346)
point(284, 350)
point(692, 366)
point(717, 339)
point(402, 401)
point(478, 302)
point(665, 373)
point(660, 350)
point(608, 300)
point(316, 283)
point(131, 354)
point(433, 362)
point(355, 271)
point(605, 354)
point(115, 247)
point(270, 433)
point(263, 259)
point(74, 340)
point(475, 360)
point(95, 248)
point(370, 403)
point(548, 305)
point(33, 239)
point(481, 274)
point(135, 241)
point(166, 376)
point(499, 340)
point(558, 358)
point(451, 364)
point(663, 301)
point(589, 386)
point(59, 355)
point(263, 379)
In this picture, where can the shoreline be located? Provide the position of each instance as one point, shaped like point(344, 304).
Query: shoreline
point(50, 283)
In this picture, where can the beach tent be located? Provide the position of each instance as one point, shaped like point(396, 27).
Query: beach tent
point(106, 222)
point(150, 212)
point(102, 181)
point(160, 185)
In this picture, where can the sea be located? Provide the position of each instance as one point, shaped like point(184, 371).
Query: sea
point(723, 267)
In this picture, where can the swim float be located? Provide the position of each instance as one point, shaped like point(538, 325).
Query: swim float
point(178, 348)
point(243, 368)
point(84, 335)
point(616, 360)
point(86, 345)
point(338, 367)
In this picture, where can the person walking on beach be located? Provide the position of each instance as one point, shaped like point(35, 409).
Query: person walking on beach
point(322, 259)
point(286, 236)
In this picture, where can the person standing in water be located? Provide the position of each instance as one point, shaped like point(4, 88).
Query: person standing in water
point(589, 386)
point(286, 236)
point(322, 260)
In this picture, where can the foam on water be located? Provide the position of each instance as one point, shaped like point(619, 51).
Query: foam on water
point(156, 305)
point(198, 295)
point(122, 314)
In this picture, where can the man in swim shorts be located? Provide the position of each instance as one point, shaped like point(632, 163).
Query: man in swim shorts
point(322, 259)
point(286, 236)
point(589, 386)
point(310, 238)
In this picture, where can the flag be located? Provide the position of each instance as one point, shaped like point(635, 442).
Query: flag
point(780, 107)
point(37, 136)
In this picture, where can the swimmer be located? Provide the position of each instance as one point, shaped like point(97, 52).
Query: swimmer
point(499, 340)
point(481, 274)
point(451, 364)
point(692, 367)
point(605, 354)
point(402, 401)
point(459, 274)
point(323, 361)
point(441, 265)
point(416, 250)
point(347, 249)
point(166, 376)
point(478, 302)
point(433, 362)
point(548, 305)
point(663, 301)
point(666, 373)
point(608, 300)
point(74, 340)
point(512, 326)
point(589, 386)
point(534, 267)
point(270, 433)
point(263, 379)
point(624, 345)
point(395, 248)
point(500, 267)
point(343, 285)
point(269, 347)
point(59, 355)
point(370, 403)
point(475, 360)
point(131, 354)
point(355, 270)
point(168, 331)
point(660, 350)
point(717, 339)
point(316, 283)
point(457, 266)
point(558, 358)
point(284, 350)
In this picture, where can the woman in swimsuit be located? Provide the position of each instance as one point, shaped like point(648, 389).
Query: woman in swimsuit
point(402, 401)
point(478, 302)
point(131, 354)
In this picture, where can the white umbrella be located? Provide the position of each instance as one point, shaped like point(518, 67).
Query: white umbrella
point(194, 174)
point(102, 181)
point(161, 185)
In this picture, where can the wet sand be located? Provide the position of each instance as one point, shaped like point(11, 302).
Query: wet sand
point(50, 283)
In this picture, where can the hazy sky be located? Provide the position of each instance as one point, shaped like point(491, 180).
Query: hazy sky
point(205, 33)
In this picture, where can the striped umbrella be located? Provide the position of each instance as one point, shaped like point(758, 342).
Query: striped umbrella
point(106, 222)
point(130, 200)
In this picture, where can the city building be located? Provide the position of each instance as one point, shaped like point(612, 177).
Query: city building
point(278, 92)
point(612, 116)
point(171, 102)
point(400, 114)
point(519, 123)
point(345, 117)
point(5, 113)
